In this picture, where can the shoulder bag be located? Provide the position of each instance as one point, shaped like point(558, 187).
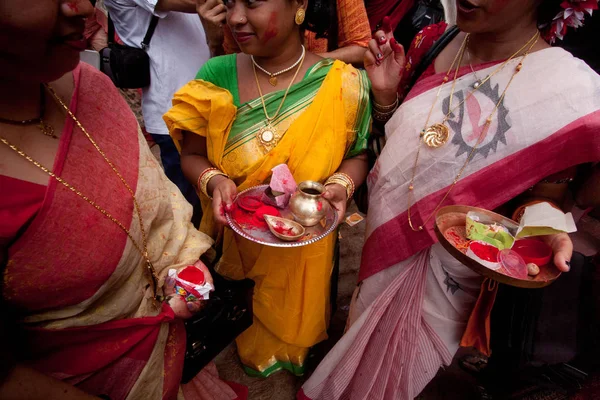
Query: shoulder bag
point(128, 67)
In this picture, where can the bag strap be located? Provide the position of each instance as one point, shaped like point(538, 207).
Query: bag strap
point(147, 38)
point(432, 53)
point(150, 32)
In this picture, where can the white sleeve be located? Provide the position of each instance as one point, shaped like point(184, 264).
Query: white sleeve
point(149, 5)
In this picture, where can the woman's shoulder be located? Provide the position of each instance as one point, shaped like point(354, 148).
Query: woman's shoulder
point(218, 67)
point(348, 71)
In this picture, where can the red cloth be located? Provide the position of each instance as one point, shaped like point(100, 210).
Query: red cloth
point(477, 333)
point(395, 10)
point(417, 50)
point(18, 209)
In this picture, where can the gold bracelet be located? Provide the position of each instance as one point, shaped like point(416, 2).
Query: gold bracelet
point(389, 107)
point(343, 180)
point(199, 181)
point(206, 177)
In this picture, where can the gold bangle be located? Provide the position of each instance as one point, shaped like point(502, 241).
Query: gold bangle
point(389, 107)
point(199, 181)
point(206, 177)
point(343, 180)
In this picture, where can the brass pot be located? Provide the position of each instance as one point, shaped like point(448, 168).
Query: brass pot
point(307, 205)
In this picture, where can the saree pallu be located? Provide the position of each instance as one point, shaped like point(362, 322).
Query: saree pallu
point(324, 119)
point(79, 284)
point(415, 299)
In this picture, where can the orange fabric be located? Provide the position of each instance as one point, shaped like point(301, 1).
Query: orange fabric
point(353, 29)
point(477, 334)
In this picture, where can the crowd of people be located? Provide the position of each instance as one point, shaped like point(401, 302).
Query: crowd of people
point(238, 87)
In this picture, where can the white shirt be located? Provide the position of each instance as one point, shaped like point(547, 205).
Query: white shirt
point(177, 51)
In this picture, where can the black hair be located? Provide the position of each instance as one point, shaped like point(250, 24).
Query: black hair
point(547, 10)
point(321, 18)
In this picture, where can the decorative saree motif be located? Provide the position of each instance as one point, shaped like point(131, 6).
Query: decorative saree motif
point(543, 128)
point(96, 327)
point(325, 119)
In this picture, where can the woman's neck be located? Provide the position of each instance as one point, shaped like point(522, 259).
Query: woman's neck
point(19, 100)
point(288, 56)
point(493, 46)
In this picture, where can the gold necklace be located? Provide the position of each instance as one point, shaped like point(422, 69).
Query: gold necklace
point(142, 249)
point(472, 152)
point(273, 75)
point(46, 129)
point(437, 135)
point(268, 135)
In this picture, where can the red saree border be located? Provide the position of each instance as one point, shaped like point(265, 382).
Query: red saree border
point(394, 241)
point(57, 168)
point(69, 242)
point(63, 347)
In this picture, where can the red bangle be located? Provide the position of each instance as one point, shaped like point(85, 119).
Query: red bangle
point(204, 173)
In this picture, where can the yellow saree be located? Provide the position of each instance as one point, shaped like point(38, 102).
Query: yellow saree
point(324, 120)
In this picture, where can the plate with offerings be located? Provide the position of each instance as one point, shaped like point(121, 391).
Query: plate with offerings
point(282, 214)
point(500, 248)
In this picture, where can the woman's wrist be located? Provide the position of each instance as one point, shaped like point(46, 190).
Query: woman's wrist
point(206, 177)
point(213, 183)
point(344, 180)
point(385, 97)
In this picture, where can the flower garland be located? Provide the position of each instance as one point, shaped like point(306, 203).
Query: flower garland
point(572, 15)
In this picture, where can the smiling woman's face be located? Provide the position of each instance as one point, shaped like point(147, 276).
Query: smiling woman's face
point(41, 39)
point(477, 16)
point(262, 27)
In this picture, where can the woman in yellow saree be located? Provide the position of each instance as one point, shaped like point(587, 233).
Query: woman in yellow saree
point(234, 123)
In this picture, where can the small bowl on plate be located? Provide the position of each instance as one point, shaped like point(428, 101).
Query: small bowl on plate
point(533, 251)
point(284, 229)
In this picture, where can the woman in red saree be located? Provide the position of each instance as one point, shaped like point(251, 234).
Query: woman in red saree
point(78, 282)
point(412, 306)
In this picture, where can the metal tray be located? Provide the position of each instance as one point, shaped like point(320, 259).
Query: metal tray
point(265, 237)
point(454, 217)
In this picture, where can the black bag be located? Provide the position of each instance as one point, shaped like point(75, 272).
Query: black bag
point(427, 12)
point(226, 315)
point(128, 67)
point(361, 194)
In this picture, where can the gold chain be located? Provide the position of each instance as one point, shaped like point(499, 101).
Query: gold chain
point(142, 249)
point(285, 94)
point(477, 143)
point(456, 67)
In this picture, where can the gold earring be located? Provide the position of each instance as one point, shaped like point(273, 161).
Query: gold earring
point(299, 16)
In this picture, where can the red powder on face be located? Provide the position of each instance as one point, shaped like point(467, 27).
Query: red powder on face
point(271, 30)
point(486, 252)
point(73, 6)
point(192, 275)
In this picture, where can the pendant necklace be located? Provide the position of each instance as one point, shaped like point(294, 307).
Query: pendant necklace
point(268, 136)
point(477, 82)
point(488, 122)
point(273, 75)
point(46, 129)
point(438, 134)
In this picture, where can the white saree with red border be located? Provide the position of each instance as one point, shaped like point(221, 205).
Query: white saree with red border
point(415, 299)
